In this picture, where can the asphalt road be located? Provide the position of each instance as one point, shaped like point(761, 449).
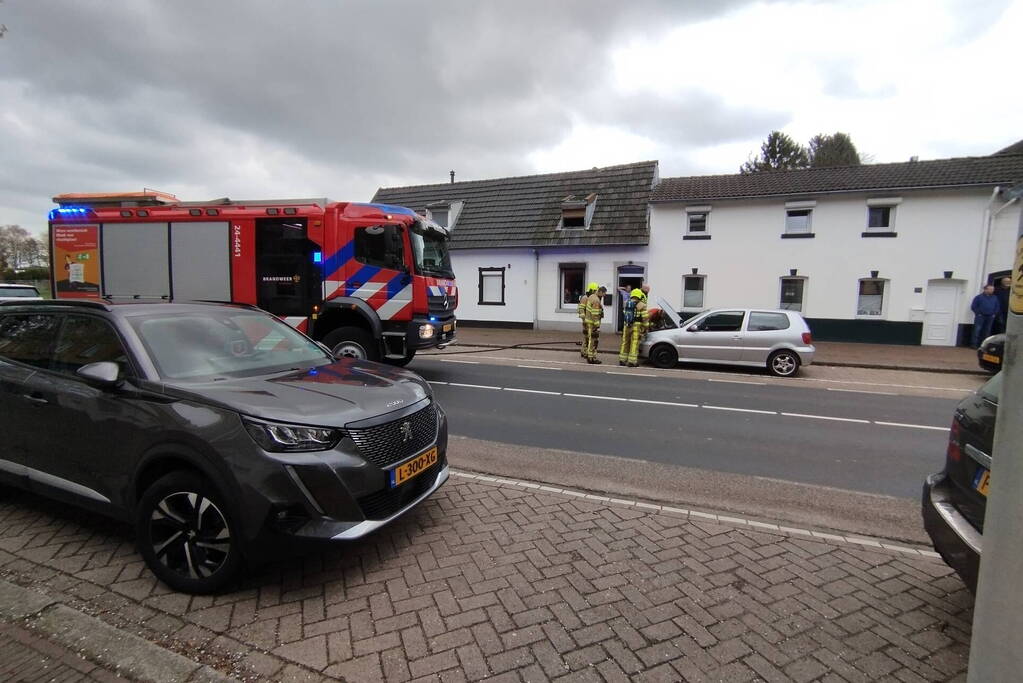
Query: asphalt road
point(878, 443)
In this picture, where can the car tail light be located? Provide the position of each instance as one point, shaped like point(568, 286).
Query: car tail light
point(953, 452)
point(807, 338)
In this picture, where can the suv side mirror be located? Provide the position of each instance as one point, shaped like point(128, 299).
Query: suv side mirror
point(693, 328)
point(105, 374)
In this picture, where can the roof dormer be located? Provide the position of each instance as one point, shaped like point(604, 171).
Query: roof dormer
point(576, 212)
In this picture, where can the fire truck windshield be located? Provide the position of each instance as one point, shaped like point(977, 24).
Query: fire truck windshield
point(430, 248)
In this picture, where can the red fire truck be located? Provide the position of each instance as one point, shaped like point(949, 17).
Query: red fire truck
point(369, 281)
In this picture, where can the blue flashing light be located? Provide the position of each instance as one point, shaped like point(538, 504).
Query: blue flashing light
point(70, 212)
point(317, 257)
point(433, 319)
point(391, 208)
point(313, 371)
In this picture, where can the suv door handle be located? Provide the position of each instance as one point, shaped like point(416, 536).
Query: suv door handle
point(37, 400)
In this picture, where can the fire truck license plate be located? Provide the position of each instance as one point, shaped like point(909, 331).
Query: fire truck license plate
point(413, 468)
point(448, 327)
point(991, 359)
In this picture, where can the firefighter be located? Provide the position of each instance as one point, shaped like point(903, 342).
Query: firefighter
point(590, 289)
point(594, 313)
point(636, 324)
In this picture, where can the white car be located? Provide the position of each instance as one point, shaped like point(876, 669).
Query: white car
point(13, 292)
point(774, 339)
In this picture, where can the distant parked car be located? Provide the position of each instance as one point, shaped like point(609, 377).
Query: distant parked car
point(991, 352)
point(954, 500)
point(777, 340)
point(218, 430)
point(13, 292)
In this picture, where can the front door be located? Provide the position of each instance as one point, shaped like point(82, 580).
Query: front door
point(378, 274)
point(287, 278)
point(629, 278)
point(940, 312)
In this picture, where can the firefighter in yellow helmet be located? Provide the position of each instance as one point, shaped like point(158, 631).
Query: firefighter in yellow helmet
point(594, 313)
point(590, 289)
point(636, 324)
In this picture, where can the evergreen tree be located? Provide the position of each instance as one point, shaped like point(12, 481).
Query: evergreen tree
point(833, 150)
point(779, 152)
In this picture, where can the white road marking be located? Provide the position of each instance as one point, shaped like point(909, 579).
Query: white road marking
point(740, 410)
point(828, 417)
point(665, 403)
point(603, 398)
point(538, 367)
point(629, 374)
point(452, 360)
point(735, 381)
point(474, 386)
point(534, 391)
point(901, 424)
point(862, 391)
point(433, 381)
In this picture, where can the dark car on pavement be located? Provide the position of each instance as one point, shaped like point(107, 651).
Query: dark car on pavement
point(219, 431)
point(954, 500)
point(990, 353)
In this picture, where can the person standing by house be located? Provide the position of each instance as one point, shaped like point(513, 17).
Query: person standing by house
point(594, 313)
point(985, 309)
point(636, 322)
point(590, 289)
point(1002, 294)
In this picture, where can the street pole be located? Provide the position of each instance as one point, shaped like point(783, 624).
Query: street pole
point(996, 653)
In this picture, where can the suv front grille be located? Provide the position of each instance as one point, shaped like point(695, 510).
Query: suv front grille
point(383, 504)
point(391, 442)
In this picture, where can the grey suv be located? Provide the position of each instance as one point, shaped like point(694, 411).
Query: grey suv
point(217, 430)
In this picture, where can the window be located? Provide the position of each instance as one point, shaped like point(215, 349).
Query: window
point(879, 217)
point(762, 321)
point(797, 221)
point(85, 340)
point(723, 321)
point(697, 223)
point(871, 298)
point(28, 338)
point(792, 289)
point(381, 246)
point(572, 277)
point(440, 216)
point(492, 287)
point(576, 212)
point(692, 291)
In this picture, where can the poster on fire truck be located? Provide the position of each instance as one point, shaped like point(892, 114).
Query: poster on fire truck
point(76, 261)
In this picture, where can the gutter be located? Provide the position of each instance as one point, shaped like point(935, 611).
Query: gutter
point(818, 193)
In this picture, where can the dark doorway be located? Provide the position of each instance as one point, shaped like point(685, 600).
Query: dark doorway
point(629, 277)
point(287, 277)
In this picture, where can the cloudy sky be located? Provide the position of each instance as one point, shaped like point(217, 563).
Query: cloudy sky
point(298, 98)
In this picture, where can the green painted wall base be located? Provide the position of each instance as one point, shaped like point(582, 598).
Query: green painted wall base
point(865, 331)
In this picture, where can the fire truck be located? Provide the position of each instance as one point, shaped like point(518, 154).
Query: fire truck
point(370, 281)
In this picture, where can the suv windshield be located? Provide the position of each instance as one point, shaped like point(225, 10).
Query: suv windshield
point(430, 249)
point(19, 291)
point(232, 342)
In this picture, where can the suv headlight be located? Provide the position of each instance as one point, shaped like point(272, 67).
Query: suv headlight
point(279, 437)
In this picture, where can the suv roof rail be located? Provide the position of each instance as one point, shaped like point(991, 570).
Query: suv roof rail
point(82, 303)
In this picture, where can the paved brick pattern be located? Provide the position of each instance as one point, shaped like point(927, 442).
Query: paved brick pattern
point(25, 657)
point(493, 581)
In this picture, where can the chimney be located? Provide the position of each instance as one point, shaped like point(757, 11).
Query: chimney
point(452, 177)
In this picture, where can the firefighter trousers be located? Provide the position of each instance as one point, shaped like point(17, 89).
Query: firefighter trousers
point(631, 336)
point(582, 347)
point(592, 339)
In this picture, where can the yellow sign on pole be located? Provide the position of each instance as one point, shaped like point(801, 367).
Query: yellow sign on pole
point(1016, 294)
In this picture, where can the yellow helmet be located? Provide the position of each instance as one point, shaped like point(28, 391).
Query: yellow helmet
point(592, 287)
point(636, 293)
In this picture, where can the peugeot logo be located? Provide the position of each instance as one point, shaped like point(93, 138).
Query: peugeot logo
point(406, 432)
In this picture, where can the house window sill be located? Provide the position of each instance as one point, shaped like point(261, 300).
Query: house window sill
point(696, 237)
point(879, 234)
point(798, 235)
point(490, 303)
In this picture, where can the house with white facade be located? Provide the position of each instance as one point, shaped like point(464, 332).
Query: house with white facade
point(886, 253)
point(524, 248)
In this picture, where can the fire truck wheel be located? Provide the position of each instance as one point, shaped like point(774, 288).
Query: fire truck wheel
point(352, 342)
point(401, 362)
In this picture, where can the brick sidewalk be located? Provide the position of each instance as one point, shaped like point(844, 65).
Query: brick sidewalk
point(488, 579)
point(25, 657)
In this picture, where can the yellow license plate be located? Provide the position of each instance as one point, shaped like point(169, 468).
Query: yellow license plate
point(449, 327)
point(413, 468)
point(983, 482)
point(991, 359)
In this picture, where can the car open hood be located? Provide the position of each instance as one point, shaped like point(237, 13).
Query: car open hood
point(669, 311)
point(330, 395)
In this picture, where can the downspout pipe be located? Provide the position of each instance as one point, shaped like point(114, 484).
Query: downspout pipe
point(536, 289)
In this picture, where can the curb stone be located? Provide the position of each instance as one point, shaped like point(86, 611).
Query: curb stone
point(124, 652)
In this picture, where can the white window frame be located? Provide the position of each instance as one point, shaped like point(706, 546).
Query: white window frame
point(781, 289)
point(884, 298)
point(697, 211)
point(569, 305)
point(890, 203)
point(703, 298)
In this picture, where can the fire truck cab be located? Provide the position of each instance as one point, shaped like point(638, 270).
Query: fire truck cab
point(371, 281)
